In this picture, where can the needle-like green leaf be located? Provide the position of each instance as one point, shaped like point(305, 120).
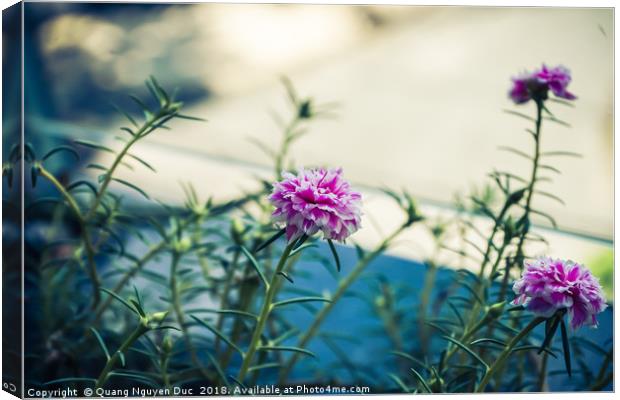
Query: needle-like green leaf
point(217, 333)
point(532, 347)
point(488, 340)
point(301, 248)
point(71, 379)
point(87, 184)
point(400, 383)
point(285, 276)
point(561, 153)
point(457, 313)
point(287, 348)
point(93, 145)
point(218, 369)
point(121, 300)
point(334, 253)
point(300, 300)
point(141, 161)
point(565, 347)
point(518, 114)
point(101, 343)
point(125, 114)
point(410, 358)
point(255, 265)
point(138, 307)
point(515, 151)
point(132, 186)
point(147, 112)
point(421, 380)
point(436, 326)
point(263, 366)
point(58, 149)
point(190, 117)
point(467, 350)
point(237, 313)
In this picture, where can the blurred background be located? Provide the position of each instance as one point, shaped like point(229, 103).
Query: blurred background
point(420, 94)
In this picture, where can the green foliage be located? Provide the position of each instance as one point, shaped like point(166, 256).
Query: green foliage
point(602, 265)
point(444, 338)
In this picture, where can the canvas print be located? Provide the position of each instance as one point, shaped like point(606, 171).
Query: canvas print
point(296, 199)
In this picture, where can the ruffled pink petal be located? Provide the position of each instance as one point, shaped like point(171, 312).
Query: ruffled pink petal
point(316, 200)
point(547, 286)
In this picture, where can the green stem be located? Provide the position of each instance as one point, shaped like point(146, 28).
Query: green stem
point(72, 203)
point(499, 362)
point(522, 236)
point(165, 360)
point(487, 253)
point(224, 297)
point(481, 285)
point(530, 191)
point(343, 286)
point(521, 358)
point(178, 310)
point(202, 260)
point(519, 257)
point(599, 385)
point(467, 334)
point(608, 359)
point(144, 129)
point(280, 157)
point(137, 333)
point(519, 254)
point(164, 371)
point(125, 279)
point(245, 298)
point(247, 290)
point(88, 244)
point(279, 283)
point(390, 321)
point(425, 298)
point(499, 258)
point(264, 313)
point(542, 374)
point(602, 378)
point(150, 254)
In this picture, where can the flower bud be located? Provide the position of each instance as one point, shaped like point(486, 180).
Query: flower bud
point(158, 317)
point(412, 211)
point(183, 245)
point(437, 383)
point(537, 84)
point(167, 344)
point(380, 301)
point(523, 224)
point(495, 310)
point(78, 253)
point(516, 197)
point(438, 230)
point(305, 110)
point(236, 230)
point(509, 230)
point(176, 106)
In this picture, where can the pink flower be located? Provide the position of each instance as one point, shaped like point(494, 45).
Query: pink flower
point(548, 285)
point(316, 200)
point(557, 79)
point(519, 93)
point(536, 85)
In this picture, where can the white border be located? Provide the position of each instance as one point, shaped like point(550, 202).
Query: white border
point(487, 3)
